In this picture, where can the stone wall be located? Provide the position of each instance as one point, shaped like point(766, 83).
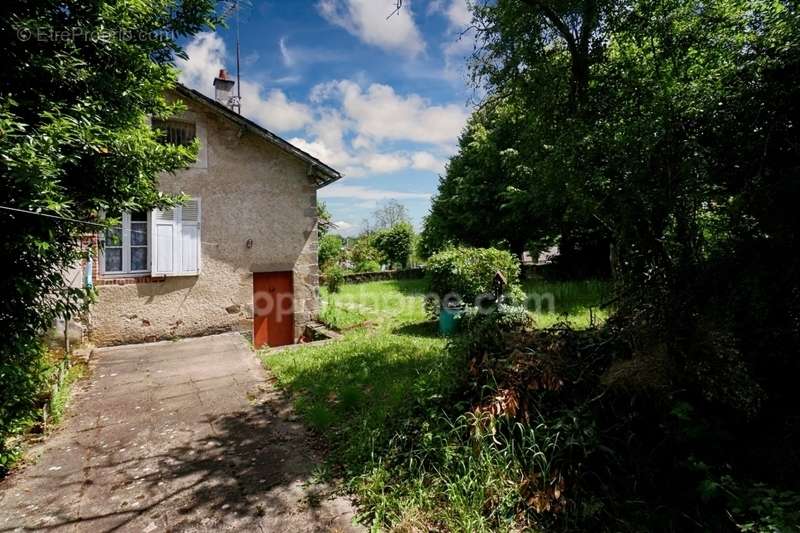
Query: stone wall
point(365, 277)
point(250, 190)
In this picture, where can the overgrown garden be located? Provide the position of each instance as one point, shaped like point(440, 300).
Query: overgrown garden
point(655, 143)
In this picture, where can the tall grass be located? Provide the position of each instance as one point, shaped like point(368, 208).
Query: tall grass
point(579, 303)
point(385, 397)
point(465, 474)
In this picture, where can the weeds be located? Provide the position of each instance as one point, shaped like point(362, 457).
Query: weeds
point(57, 377)
point(391, 401)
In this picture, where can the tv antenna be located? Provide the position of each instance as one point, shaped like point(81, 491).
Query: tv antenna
point(235, 102)
point(238, 102)
point(397, 7)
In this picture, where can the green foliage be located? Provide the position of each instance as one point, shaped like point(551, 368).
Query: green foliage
point(487, 330)
point(23, 377)
point(331, 248)
point(367, 266)
point(75, 140)
point(467, 274)
point(395, 243)
point(673, 125)
point(760, 508)
point(498, 191)
point(334, 278)
point(390, 401)
point(364, 256)
point(324, 221)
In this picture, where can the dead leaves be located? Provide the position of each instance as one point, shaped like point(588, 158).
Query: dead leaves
point(544, 496)
point(504, 403)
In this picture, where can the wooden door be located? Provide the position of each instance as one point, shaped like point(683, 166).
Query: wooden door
point(273, 309)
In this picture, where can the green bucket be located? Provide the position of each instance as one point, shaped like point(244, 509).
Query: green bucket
point(448, 320)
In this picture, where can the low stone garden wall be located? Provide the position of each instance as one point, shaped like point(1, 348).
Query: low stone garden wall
point(364, 277)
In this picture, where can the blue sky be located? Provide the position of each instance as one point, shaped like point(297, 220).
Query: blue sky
point(382, 101)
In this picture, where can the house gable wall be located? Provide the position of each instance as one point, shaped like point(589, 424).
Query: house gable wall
point(250, 190)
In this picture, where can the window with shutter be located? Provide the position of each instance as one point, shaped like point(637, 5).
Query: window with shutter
point(176, 240)
point(125, 249)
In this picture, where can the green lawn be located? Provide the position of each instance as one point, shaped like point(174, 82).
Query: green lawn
point(366, 389)
point(357, 389)
point(574, 302)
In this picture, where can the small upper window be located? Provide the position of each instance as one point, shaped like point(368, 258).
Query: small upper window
point(176, 132)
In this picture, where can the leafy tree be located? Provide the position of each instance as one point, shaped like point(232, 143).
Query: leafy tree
point(331, 247)
point(395, 243)
point(673, 124)
point(499, 190)
point(634, 123)
point(74, 141)
point(363, 255)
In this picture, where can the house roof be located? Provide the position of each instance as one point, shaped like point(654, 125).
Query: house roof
point(322, 173)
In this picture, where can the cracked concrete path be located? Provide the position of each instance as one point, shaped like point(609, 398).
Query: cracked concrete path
point(175, 436)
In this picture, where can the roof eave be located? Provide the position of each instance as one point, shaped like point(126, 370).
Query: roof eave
point(321, 173)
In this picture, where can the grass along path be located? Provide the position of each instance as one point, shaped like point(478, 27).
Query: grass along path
point(392, 365)
point(355, 390)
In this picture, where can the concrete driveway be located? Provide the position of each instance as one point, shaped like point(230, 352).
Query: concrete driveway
point(174, 436)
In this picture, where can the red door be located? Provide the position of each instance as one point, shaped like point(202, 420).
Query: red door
point(273, 309)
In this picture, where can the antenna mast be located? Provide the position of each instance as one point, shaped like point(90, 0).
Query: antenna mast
point(238, 103)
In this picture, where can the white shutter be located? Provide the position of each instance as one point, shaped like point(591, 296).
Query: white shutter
point(176, 240)
point(166, 237)
point(190, 237)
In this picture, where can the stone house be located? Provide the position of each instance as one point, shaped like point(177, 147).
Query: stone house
point(240, 254)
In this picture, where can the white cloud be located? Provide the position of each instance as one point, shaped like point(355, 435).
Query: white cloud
point(251, 58)
point(275, 111)
point(340, 190)
point(335, 158)
point(270, 109)
point(427, 161)
point(386, 163)
point(286, 80)
point(366, 19)
point(350, 126)
point(458, 14)
point(298, 56)
point(345, 228)
point(459, 39)
point(286, 55)
point(382, 114)
point(206, 53)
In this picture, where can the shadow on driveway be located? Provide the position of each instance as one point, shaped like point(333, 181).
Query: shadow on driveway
point(175, 436)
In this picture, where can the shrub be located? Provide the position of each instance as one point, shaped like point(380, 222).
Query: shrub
point(330, 250)
point(368, 266)
point(486, 331)
point(468, 273)
point(334, 277)
point(395, 243)
point(363, 251)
